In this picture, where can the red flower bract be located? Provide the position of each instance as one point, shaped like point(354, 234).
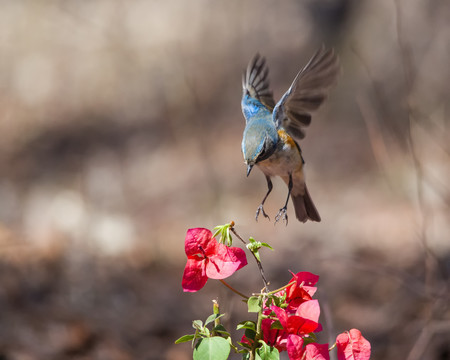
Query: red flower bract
point(295, 327)
point(351, 345)
point(317, 352)
point(304, 321)
point(301, 288)
point(207, 258)
point(295, 347)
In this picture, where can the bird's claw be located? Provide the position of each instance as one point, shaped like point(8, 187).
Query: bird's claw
point(261, 209)
point(282, 214)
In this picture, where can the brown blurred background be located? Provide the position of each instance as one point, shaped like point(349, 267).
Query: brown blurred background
point(120, 128)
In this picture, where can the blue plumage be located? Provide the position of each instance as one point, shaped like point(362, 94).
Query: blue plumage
point(252, 108)
point(268, 139)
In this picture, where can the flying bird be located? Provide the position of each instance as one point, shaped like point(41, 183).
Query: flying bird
point(272, 131)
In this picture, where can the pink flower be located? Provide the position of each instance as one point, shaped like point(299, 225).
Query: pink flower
point(300, 317)
point(351, 345)
point(304, 321)
point(273, 337)
point(312, 351)
point(207, 258)
point(317, 352)
point(294, 347)
point(301, 288)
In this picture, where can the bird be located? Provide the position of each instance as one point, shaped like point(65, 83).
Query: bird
point(273, 130)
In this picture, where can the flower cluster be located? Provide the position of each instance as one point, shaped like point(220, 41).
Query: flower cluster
point(207, 258)
point(287, 320)
point(292, 319)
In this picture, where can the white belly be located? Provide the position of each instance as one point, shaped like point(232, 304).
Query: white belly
point(286, 160)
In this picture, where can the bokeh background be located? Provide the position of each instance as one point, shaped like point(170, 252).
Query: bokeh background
point(120, 128)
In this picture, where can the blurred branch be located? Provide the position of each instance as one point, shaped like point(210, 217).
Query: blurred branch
point(403, 278)
point(258, 262)
point(434, 328)
point(377, 143)
point(431, 261)
point(372, 122)
point(430, 128)
point(328, 315)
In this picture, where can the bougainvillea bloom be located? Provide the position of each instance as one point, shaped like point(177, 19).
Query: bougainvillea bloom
point(207, 258)
point(351, 345)
point(298, 316)
point(304, 321)
point(271, 336)
point(294, 347)
point(312, 351)
point(317, 352)
point(295, 326)
point(301, 288)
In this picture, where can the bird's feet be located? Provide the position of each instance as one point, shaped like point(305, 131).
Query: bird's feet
point(259, 210)
point(282, 214)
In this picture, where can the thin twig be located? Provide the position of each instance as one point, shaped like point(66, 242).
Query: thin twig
point(379, 148)
point(431, 261)
point(425, 337)
point(233, 289)
point(261, 270)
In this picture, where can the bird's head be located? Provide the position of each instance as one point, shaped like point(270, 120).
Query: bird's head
point(256, 146)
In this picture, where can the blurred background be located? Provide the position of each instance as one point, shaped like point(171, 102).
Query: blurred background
point(120, 128)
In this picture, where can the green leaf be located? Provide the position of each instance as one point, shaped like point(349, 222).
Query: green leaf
point(185, 338)
point(225, 236)
point(219, 230)
point(210, 319)
point(246, 346)
point(246, 325)
point(254, 304)
point(197, 324)
point(277, 300)
point(276, 325)
point(221, 330)
point(267, 246)
point(214, 348)
point(250, 334)
point(205, 332)
point(254, 247)
point(225, 334)
point(310, 339)
point(256, 253)
point(213, 317)
point(267, 352)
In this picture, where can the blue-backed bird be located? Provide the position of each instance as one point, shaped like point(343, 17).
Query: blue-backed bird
point(272, 130)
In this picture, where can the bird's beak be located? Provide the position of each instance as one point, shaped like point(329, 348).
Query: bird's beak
point(249, 168)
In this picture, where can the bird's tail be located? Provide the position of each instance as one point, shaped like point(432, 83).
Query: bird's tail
point(304, 207)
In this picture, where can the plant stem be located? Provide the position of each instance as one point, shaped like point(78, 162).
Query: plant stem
point(261, 270)
point(216, 312)
point(258, 335)
point(280, 289)
point(233, 289)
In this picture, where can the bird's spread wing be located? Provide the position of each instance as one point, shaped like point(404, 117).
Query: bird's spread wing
point(307, 92)
point(255, 82)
